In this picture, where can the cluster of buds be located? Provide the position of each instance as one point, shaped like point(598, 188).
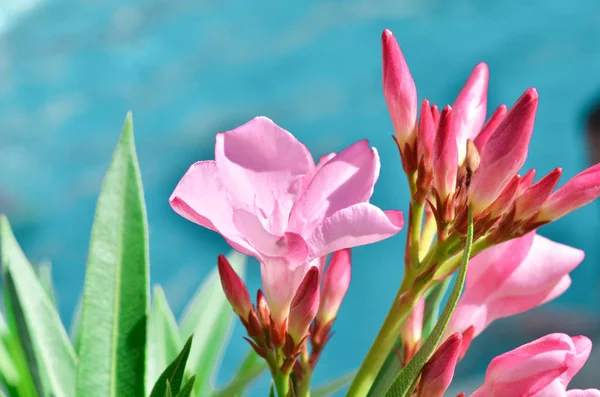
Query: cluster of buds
point(312, 312)
point(454, 159)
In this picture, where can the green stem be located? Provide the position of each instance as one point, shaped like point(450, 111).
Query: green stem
point(449, 266)
point(415, 233)
point(282, 384)
point(382, 345)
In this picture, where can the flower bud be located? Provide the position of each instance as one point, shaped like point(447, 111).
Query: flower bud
point(472, 158)
point(304, 306)
point(262, 308)
point(535, 195)
point(234, 288)
point(412, 330)
point(437, 374)
point(445, 156)
point(399, 90)
point(336, 281)
point(426, 134)
point(490, 126)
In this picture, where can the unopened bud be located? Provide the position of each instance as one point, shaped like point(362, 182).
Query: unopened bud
point(234, 288)
point(264, 314)
point(412, 330)
point(336, 281)
point(305, 305)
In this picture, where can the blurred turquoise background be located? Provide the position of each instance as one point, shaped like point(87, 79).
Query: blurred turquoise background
point(70, 70)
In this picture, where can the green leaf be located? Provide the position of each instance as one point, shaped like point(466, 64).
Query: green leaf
point(33, 317)
point(251, 368)
point(432, 306)
point(406, 380)
point(272, 390)
point(44, 273)
point(164, 341)
point(209, 317)
point(75, 328)
point(115, 294)
point(333, 386)
point(173, 374)
point(186, 391)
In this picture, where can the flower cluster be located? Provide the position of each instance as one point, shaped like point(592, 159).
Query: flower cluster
point(268, 198)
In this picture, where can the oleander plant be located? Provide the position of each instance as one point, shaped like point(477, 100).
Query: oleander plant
point(472, 256)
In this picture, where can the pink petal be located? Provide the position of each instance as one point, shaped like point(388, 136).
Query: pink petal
point(304, 306)
point(426, 134)
point(511, 278)
point(290, 246)
point(534, 196)
point(470, 108)
point(200, 197)
point(345, 180)
point(356, 225)
point(505, 152)
point(584, 393)
point(398, 88)
point(262, 166)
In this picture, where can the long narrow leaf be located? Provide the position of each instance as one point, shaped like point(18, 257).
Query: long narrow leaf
point(115, 296)
point(432, 306)
point(333, 386)
point(210, 318)
point(404, 384)
point(172, 376)
point(164, 341)
point(251, 368)
point(34, 319)
point(44, 273)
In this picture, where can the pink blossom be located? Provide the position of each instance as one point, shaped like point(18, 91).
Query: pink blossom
point(542, 368)
point(264, 194)
point(399, 89)
point(511, 278)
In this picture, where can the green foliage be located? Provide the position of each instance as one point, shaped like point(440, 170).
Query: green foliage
point(119, 346)
point(406, 381)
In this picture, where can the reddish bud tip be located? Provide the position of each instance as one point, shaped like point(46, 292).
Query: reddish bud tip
point(426, 133)
point(437, 374)
point(234, 288)
point(264, 314)
point(490, 126)
point(305, 305)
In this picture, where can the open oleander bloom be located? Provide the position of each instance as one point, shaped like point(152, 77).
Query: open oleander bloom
point(269, 199)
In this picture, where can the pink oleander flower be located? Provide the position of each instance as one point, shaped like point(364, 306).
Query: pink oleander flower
point(266, 196)
point(542, 368)
point(511, 278)
point(438, 373)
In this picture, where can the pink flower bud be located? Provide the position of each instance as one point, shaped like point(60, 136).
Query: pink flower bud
point(445, 156)
point(336, 281)
point(470, 108)
point(234, 288)
point(582, 189)
point(437, 374)
point(426, 134)
point(490, 126)
point(534, 196)
point(399, 89)
point(305, 305)
point(412, 330)
point(435, 112)
point(505, 152)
